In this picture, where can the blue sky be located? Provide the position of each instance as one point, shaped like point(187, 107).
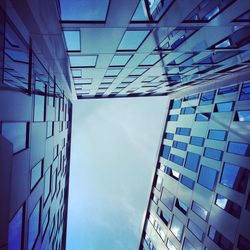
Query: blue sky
point(114, 151)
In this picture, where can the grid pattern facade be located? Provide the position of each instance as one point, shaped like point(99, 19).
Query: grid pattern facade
point(122, 48)
point(200, 194)
point(35, 138)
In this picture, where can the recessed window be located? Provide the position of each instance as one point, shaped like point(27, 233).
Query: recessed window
point(16, 133)
point(176, 159)
point(181, 206)
point(199, 210)
point(238, 148)
point(170, 245)
point(213, 153)
point(186, 181)
point(192, 161)
point(15, 232)
point(197, 141)
point(45, 223)
point(234, 177)
point(138, 71)
point(113, 72)
point(50, 129)
point(36, 174)
point(224, 107)
point(76, 73)
point(215, 134)
point(187, 245)
point(158, 184)
point(202, 117)
point(133, 39)
point(227, 90)
point(188, 110)
point(47, 184)
point(83, 61)
point(151, 60)
point(180, 145)
point(173, 117)
point(167, 199)
point(207, 177)
point(166, 151)
point(177, 228)
point(183, 131)
point(169, 136)
point(242, 116)
point(191, 97)
point(207, 98)
point(174, 174)
point(165, 218)
point(195, 230)
point(227, 205)
point(175, 104)
point(120, 60)
point(245, 92)
point(39, 102)
point(72, 38)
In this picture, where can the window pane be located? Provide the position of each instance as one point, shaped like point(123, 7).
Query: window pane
point(83, 61)
point(192, 161)
point(72, 38)
point(170, 245)
point(176, 159)
point(16, 134)
point(169, 136)
point(150, 60)
point(188, 110)
point(191, 97)
point(227, 90)
point(234, 177)
point(50, 128)
point(34, 223)
point(195, 230)
point(132, 39)
point(174, 174)
point(113, 72)
point(217, 134)
point(214, 154)
point(120, 60)
point(166, 151)
point(207, 177)
point(36, 174)
point(197, 141)
point(245, 91)
point(224, 107)
point(199, 210)
point(47, 184)
point(187, 182)
point(180, 145)
point(242, 116)
point(175, 104)
point(183, 131)
point(158, 184)
point(177, 228)
point(202, 117)
point(164, 217)
point(138, 71)
point(15, 231)
point(207, 98)
point(167, 199)
point(238, 148)
point(187, 245)
point(173, 117)
point(243, 243)
point(181, 206)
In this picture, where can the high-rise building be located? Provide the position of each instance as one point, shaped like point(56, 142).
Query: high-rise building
point(195, 52)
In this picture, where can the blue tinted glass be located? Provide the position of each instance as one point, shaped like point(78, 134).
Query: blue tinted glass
point(180, 145)
point(39, 108)
point(207, 98)
point(72, 38)
point(82, 61)
point(213, 153)
point(175, 104)
point(166, 151)
point(217, 134)
point(120, 60)
point(176, 159)
point(183, 131)
point(49, 129)
point(197, 141)
point(187, 245)
point(195, 230)
point(15, 231)
point(16, 134)
point(243, 116)
point(245, 91)
point(227, 90)
point(150, 60)
point(138, 71)
point(132, 39)
point(174, 174)
point(181, 206)
point(224, 107)
point(167, 199)
point(173, 117)
point(169, 136)
point(192, 161)
point(177, 228)
point(47, 184)
point(238, 148)
point(234, 177)
point(207, 177)
point(76, 10)
point(140, 13)
point(164, 217)
point(36, 174)
point(188, 110)
point(112, 72)
point(191, 97)
point(187, 182)
point(33, 226)
point(199, 210)
point(202, 117)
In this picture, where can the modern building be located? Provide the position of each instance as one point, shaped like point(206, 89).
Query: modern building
point(195, 52)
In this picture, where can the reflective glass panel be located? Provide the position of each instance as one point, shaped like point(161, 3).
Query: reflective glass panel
point(187, 245)
point(202, 117)
point(197, 141)
point(243, 116)
point(181, 206)
point(192, 161)
point(47, 184)
point(230, 89)
point(224, 107)
point(199, 210)
point(113, 72)
point(166, 151)
point(207, 177)
point(175, 104)
point(138, 71)
point(36, 174)
point(183, 131)
point(195, 230)
point(72, 38)
point(214, 154)
point(169, 136)
point(238, 148)
point(207, 98)
point(180, 145)
point(187, 182)
point(83, 61)
point(167, 199)
point(245, 91)
point(150, 60)
point(176, 159)
point(170, 245)
point(219, 135)
point(177, 228)
point(120, 60)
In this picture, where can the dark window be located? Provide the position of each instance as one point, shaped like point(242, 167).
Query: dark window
point(187, 245)
point(187, 182)
point(230, 89)
point(173, 117)
point(16, 133)
point(181, 206)
point(174, 174)
point(192, 161)
point(169, 136)
point(214, 154)
point(177, 228)
point(243, 243)
point(47, 184)
point(15, 231)
point(248, 202)
point(228, 205)
point(165, 218)
point(245, 91)
point(219, 239)
point(176, 159)
point(224, 107)
point(199, 210)
point(202, 117)
point(36, 174)
point(188, 110)
point(180, 145)
point(195, 230)
point(207, 98)
point(34, 225)
point(50, 129)
point(234, 177)
point(183, 131)
point(167, 199)
point(175, 104)
point(207, 177)
point(197, 141)
point(191, 97)
point(166, 151)
point(238, 148)
point(215, 134)
point(242, 116)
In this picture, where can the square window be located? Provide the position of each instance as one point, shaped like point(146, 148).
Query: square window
point(120, 60)
point(177, 228)
point(72, 38)
point(207, 177)
point(83, 61)
point(192, 161)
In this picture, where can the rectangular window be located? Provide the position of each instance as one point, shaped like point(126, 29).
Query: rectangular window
point(207, 98)
point(138, 71)
point(202, 117)
point(212, 153)
point(234, 177)
point(188, 110)
point(36, 174)
point(199, 210)
point(238, 148)
point(229, 206)
point(45, 223)
point(167, 199)
point(169, 136)
point(181, 206)
point(180, 145)
point(34, 225)
point(183, 131)
point(245, 92)
point(224, 107)
point(176, 159)
point(215, 134)
point(227, 90)
point(158, 184)
point(72, 38)
point(174, 174)
point(187, 182)
point(242, 116)
point(192, 161)
point(82, 61)
point(191, 97)
point(197, 141)
point(164, 217)
point(16, 133)
point(175, 104)
point(195, 230)
point(207, 177)
point(15, 233)
point(55, 151)
point(177, 228)
point(50, 129)
point(39, 101)
point(120, 60)
point(113, 72)
point(170, 245)
point(166, 151)
point(47, 184)
point(151, 60)
point(187, 245)
point(173, 118)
